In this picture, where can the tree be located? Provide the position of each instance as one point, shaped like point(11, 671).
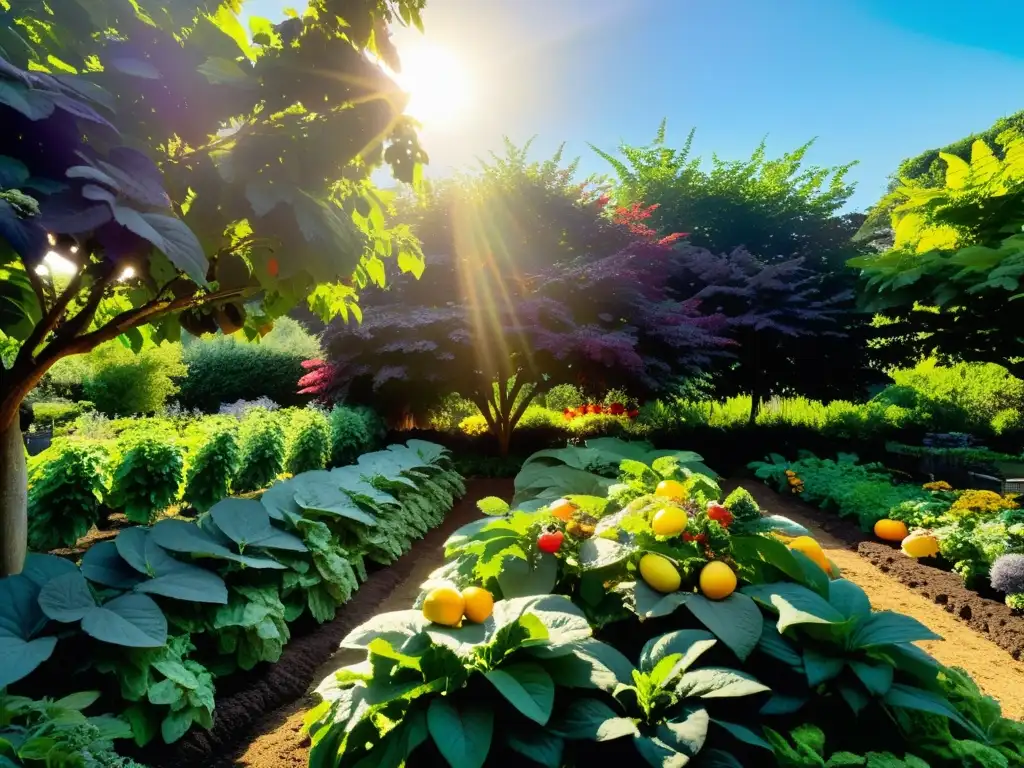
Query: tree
point(951, 283)
point(598, 323)
point(181, 170)
point(777, 210)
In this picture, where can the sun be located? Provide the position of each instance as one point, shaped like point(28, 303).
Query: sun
point(438, 83)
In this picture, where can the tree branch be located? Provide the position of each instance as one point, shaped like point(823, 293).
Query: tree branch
point(49, 321)
point(37, 286)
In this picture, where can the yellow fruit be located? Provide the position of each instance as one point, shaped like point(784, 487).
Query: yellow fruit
point(891, 530)
point(717, 580)
point(811, 548)
point(671, 489)
point(479, 604)
point(562, 509)
point(669, 521)
point(444, 605)
point(659, 573)
point(920, 544)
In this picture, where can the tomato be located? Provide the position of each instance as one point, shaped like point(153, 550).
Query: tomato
point(719, 513)
point(550, 542)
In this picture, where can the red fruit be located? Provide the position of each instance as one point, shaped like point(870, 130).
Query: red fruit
point(633, 414)
point(550, 542)
point(616, 409)
point(719, 513)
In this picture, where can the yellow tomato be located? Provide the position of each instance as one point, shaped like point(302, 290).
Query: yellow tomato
point(920, 544)
point(479, 604)
point(659, 573)
point(562, 509)
point(813, 550)
point(891, 530)
point(717, 580)
point(444, 605)
point(671, 489)
point(669, 521)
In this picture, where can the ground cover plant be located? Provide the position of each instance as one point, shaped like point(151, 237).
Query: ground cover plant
point(677, 629)
point(977, 533)
point(166, 610)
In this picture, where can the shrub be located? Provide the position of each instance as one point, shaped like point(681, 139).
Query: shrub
point(66, 378)
point(603, 425)
point(224, 370)
point(563, 396)
point(474, 426)
point(212, 467)
point(55, 413)
point(619, 396)
point(149, 476)
point(67, 484)
point(1007, 420)
point(262, 440)
point(538, 417)
point(290, 337)
point(123, 383)
point(452, 410)
point(350, 436)
point(309, 444)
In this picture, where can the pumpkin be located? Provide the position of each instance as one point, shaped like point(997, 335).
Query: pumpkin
point(921, 544)
point(891, 530)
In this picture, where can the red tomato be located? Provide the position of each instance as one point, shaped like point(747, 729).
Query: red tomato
point(550, 542)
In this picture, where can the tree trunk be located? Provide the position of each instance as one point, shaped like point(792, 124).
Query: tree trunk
point(504, 437)
point(13, 500)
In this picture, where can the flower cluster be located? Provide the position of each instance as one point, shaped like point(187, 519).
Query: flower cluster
point(632, 217)
point(938, 485)
point(796, 485)
point(318, 380)
point(982, 503)
point(615, 409)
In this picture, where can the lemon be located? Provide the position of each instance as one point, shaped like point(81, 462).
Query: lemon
point(659, 573)
point(671, 489)
point(669, 521)
point(717, 580)
point(479, 604)
point(444, 605)
point(811, 548)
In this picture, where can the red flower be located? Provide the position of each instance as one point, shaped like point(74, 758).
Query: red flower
point(617, 409)
point(633, 414)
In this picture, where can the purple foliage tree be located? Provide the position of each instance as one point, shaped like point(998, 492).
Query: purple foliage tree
point(499, 340)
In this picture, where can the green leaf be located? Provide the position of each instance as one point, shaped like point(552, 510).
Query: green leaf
point(131, 620)
point(691, 643)
point(820, 667)
point(538, 744)
point(736, 621)
point(686, 734)
point(518, 578)
point(775, 646)
point(527, 687)
point(593, 720)
point(651, 604)
point(909, 697)
point(885, 627)
point(589, 664)
point(179, 245)
point(77, 701)
point(462, 735)
point(221, 71)
point(659, 754)
point(743, 734)
point(849, 599)
point(877, 678)
point(13, 173)
point(957, 171)
point(67, 598)
point(600, 553)
point(718, 683)
point(37, 748)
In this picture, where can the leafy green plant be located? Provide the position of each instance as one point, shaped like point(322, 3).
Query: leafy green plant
point(123, 383)
point(169, 691)
point(56, 412)
point(58, 734)
point(498, 682)
point(262, 439)
point(212, 467)
point(563, 396)
point(148, 478)
point(350, 436)
point(320, 580)
point(309, 443)
point(67, 484)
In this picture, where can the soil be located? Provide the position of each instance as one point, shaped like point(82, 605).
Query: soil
point(259, 723)
point(978, 632)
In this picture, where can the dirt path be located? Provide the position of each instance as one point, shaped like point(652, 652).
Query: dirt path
point(998, 675)
point(280, 743)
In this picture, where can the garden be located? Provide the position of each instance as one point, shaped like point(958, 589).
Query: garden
point(683, 464)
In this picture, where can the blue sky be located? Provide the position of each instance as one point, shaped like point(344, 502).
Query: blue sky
point(873, 80)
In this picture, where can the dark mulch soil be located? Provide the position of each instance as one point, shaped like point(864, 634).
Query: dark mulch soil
point(267, 700)
point(985, 616)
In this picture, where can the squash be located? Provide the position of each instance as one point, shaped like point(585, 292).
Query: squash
point(921, 544)
point(891, 530)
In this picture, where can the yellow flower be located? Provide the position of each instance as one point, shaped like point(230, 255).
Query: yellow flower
point(790, 473)
point(938, 485)
point(981, 503)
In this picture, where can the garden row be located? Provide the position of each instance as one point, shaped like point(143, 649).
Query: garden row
point(979, 534)
point(143, 466)
point(150, 620)
point(639, 618)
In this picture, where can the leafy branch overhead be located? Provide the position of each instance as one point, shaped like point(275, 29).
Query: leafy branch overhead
point(181, 174)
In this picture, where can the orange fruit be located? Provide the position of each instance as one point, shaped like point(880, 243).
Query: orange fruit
point(717, 580)
point(479, 604)
point(444, 605)
point(562, 509)
point(891, 530)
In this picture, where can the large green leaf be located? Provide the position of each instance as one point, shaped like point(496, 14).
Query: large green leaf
point(601, 553)
point(587, 664)
point(849, 599)
point(691, 643)
point(527, 687)
point(462, 734)
point(103, 564)
point(718, 682)
point(182, 536)
point(519, 578)
point(885, 628)
point(659, 754)
point(736, 621)
point(21, 657)
point(593, 720)
point(319, 491)
point(650, 604)
point(131, 620)
point(67, 598)
point(20, 613)
point(536, 743)
point(800, 599)
point(246, 522)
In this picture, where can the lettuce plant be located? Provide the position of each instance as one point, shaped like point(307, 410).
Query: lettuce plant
point(148, 478)
point(212, 468)
point(68, 484)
